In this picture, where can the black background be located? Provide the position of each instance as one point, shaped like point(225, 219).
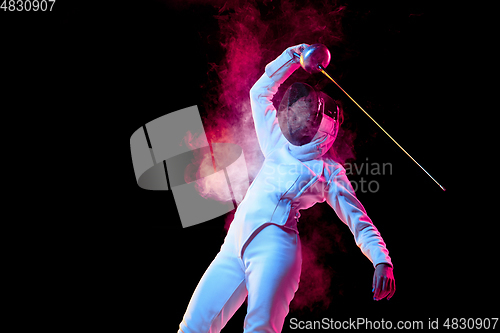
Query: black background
point(96, 74)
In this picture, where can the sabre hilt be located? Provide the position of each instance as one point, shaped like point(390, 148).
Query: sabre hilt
point(314, 58)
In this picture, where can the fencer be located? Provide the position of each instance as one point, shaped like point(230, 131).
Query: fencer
point(261, 254)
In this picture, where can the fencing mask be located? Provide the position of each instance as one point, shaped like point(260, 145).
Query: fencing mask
point(305, 115)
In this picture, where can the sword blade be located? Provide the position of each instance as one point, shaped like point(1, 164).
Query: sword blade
point(390, 137)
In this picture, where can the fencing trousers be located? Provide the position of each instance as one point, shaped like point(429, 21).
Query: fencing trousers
point(268, 273)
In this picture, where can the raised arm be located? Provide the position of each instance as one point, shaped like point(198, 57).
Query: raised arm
point(261, 95)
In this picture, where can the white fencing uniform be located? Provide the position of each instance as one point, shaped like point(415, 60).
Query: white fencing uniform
point(261, 254)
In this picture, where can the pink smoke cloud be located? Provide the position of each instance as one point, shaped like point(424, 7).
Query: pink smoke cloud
point(251, 34)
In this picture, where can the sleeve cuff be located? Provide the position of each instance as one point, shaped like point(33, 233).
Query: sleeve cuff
point(387, 263)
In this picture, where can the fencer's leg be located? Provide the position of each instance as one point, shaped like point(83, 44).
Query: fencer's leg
point(273, 261)
point(220, 292)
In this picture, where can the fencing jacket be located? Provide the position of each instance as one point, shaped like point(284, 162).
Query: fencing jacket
point(296, 177)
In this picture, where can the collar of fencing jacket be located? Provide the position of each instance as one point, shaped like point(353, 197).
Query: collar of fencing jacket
point(312, 150)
